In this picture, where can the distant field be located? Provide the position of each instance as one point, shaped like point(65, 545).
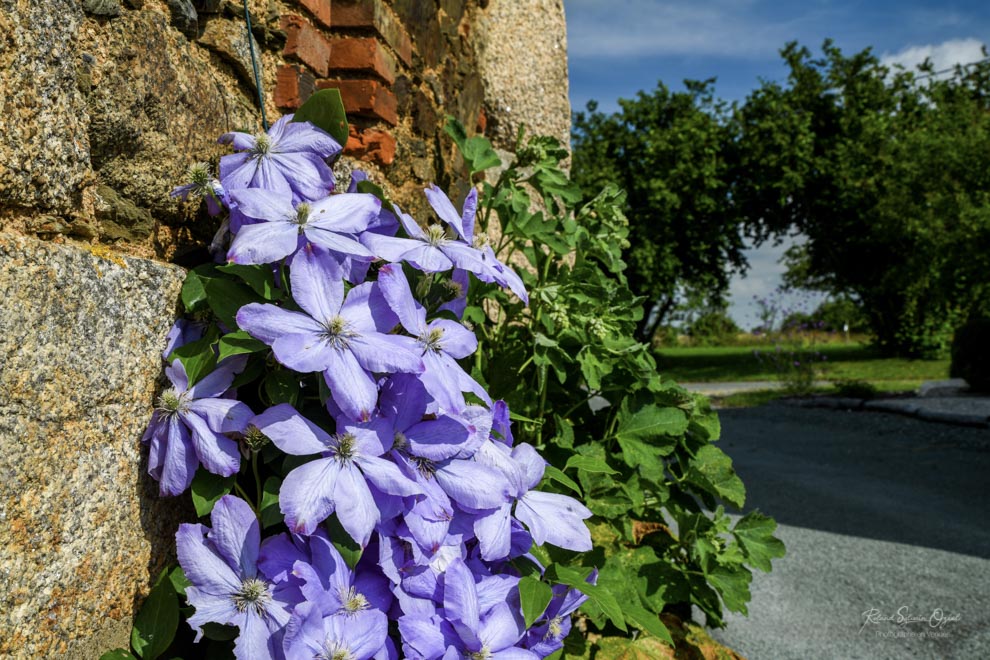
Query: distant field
point(854, 361)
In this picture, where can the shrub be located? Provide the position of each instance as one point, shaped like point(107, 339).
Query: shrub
point(971, 354)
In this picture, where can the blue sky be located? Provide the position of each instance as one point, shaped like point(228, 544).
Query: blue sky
point(618, 47)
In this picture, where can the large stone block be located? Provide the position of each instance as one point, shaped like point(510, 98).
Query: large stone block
point(522, 60)
point(82, 531)
point(44, 154)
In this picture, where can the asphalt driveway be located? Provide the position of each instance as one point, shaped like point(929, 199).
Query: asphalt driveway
point(887, 525)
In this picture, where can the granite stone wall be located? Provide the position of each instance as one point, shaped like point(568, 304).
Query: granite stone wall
point(103, 104)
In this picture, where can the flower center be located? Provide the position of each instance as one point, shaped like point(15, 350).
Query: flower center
point(199, 175)
point(554, 629)
point(353, 601)
point(483, 654)
point(171, 403)
point(255, 439)
point(262, 145)
point(302, 215)
point(399, 442)
point(431, 340)
point(426, 467)
point(436, 235)
point(336, 332)
point(333, 650)
point(344, 448)
point(253, 594)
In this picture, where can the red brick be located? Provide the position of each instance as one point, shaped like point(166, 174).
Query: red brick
point(363, 55)
point(294, 84)
point(368, 98)
point(373, 145)
point(320, 9)
point(375, 15)
point(306, 43)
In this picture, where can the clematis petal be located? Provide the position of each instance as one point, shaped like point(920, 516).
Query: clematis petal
point(203, 567)
point(356, 508)
point(304, 353)
point(218, 381)
point(437, 439)
point(367, 309)
point(222, 415)
point(303, 136)
point(460, 600)
point(179, 463)
point(389, 248)
point(341, 243)
point(308, 176)
point(291, 432)
point(387, 477)
point(386, 353)
point(216, 452)
point(265, 205)
point(255, 641)
point(457, 341)
point(466, 257)
point(467, 216)
point(316, 283)
point(263, 243)
point(472, 484)
point(240, 141)
point(306, 497)
point(395, 288)
point(268, 322)
point(362, 633)
point(304, 635)
point(555, 519)
point(210, 608)
point(236, 534)
point(353, 389)
point(444, 208)
point(493, 529)
point(345, 214)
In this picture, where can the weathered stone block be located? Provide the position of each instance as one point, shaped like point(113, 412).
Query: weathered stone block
point(82, 531)
point(229, 39)
point(44, 154)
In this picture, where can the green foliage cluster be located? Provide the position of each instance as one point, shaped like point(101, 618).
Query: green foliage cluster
point(667, 150)
point(639, 450)
point(971, 354)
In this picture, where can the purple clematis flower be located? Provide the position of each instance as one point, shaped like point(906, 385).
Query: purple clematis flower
point(547, 635)
point(433, 250)
point(290, 158)
point(551, 517)
point(330, 223)
point(221, 563)
point(188, 426)
point(442, 342)
point(313, 636)
point(465, 631)
point(336, 482)
point(342, 338)
point(202, 185)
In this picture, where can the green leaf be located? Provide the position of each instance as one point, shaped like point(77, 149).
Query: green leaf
point(535, 595)
point(455, 130)
point(325, 109)
point(260, 278)
point(589, 464)
point(651, 421)
point(479, 154)
point(226, 297)
point(198, 357)
point(193, 292)
point(552, 473)
point(754, 532)
point(711, 469)
point(732, 585)
point(220, 632)
point(270, 512)
point(118, 654)
point(179, 580)
point(599, 596)
point(207, 488)
point(238, 343)
point(376, 190)
point(646, 621)
point(348, 548)
point(282, 387)
point(156, 622)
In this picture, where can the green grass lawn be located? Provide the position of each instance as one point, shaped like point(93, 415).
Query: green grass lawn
point(852, 361)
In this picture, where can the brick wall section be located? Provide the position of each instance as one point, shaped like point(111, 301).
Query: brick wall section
point(306, 43)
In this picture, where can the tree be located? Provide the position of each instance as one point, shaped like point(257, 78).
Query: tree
point(887, 174)
point(668, 151)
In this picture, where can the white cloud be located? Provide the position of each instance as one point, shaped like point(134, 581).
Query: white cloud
point(637, 28)
point(943, 56)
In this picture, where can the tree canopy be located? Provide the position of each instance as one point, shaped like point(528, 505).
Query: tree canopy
point(885, 172)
